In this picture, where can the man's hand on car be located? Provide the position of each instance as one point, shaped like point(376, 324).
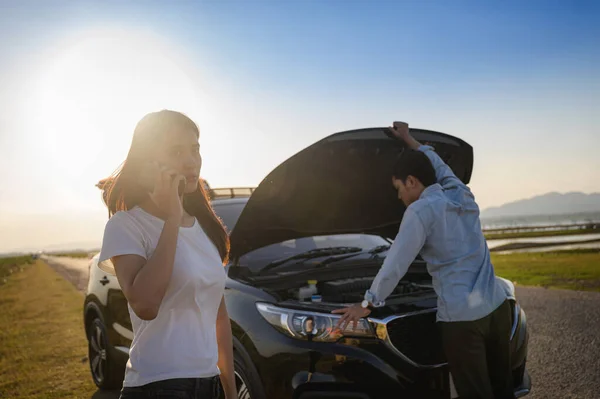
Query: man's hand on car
point(351, 314)
point(402, 132)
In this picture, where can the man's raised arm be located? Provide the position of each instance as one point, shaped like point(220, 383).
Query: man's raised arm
point(443, 173)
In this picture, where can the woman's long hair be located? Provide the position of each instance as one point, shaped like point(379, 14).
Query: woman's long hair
point(121, 191)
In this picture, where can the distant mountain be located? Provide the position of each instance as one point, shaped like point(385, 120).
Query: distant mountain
point(547, 204)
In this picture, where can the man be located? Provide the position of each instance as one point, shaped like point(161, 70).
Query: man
point(441, 222)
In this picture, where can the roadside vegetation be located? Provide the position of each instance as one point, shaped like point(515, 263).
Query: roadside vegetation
point(574, 269)
point(12, 265)
point(540, 233)
point(74, 254)
point(43, 347)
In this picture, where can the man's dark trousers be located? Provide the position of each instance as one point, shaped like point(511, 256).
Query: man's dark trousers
point(478, 354)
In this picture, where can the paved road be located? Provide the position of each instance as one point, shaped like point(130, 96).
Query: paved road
point(564, 346)
point(74, 270)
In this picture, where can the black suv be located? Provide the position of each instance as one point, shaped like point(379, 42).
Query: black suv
point(310, 239)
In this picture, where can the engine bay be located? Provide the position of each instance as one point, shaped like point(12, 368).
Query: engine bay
point(352, 290)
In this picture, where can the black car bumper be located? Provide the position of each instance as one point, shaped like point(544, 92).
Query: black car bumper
point(358, 368)
point(316, 386)
point(317, 389)
point(367, 368)
point(319, 386)
point(430, 384)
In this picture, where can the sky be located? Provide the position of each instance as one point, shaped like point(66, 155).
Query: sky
point(519, 81)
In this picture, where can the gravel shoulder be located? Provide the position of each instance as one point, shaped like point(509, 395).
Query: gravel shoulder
point(564, 343)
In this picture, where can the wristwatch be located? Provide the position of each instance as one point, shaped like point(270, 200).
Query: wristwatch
point(364, 304)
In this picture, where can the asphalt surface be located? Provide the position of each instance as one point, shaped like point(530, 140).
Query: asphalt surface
point(74, 270)
point(564, 343)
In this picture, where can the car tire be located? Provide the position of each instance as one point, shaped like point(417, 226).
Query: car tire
point(105, 374)
point(247, 381)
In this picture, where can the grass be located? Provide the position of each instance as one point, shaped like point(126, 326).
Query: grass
point(72, 254)
point(43, 347)
point(529, 234)
point(576, 269)
point(12, 265)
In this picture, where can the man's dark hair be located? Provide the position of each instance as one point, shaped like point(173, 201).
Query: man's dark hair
point(414, 163)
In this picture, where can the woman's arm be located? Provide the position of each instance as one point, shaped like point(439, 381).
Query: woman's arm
point(144, 283)
point(225, 343)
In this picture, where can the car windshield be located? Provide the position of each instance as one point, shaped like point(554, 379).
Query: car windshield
point(255, 260)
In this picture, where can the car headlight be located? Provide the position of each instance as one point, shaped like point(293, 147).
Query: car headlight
point(301, 324)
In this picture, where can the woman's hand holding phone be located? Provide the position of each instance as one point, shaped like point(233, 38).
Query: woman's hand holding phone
point(165, 194)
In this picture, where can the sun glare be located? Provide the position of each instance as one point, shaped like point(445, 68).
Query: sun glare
point(92, 92)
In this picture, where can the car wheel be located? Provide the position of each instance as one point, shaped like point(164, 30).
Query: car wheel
point(102, 368)
point(247, 382)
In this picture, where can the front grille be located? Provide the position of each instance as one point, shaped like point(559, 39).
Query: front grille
point(418, 338)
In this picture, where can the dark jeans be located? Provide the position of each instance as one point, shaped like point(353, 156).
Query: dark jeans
point(184, 388)
point(478, 354)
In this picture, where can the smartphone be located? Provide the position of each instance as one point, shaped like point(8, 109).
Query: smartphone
point(148, 176)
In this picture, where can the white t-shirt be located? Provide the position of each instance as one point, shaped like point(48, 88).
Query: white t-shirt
point(181, 342)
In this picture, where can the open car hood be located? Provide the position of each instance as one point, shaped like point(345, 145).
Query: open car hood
point(341, 184)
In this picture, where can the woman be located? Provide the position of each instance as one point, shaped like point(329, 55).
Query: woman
point(168, 249)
